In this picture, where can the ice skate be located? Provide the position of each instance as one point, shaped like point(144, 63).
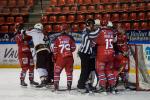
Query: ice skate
point(43, 84)
point(69, 85)
point(22, 83)
point(34, 83)
point(102, 90)
point(113, 90)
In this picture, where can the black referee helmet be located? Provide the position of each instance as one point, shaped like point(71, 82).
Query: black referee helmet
point(90, 21)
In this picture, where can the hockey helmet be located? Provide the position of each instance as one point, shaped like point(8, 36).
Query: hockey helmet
point(38, 26)
point(90, 21)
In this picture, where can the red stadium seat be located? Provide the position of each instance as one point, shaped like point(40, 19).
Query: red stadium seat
point(49, 10)
point(71, 18)
point(66, 9)
point(5, 11)
point(148, 15)
point(44, 19)
point(57, 10)
point(96, 1)
point(3, 3)
point(89, 16)
point(106, 16)
point(115, 17)
point(62, 19)
point(4, 29)
point(2, 20)
point(53, 2)
point(91, 8)
point(144, 25)
point(100, 8)
point(73, 9)
point(61, 2)
point(124, 16)
point(80, 18)
point(21, 3)
point(127, 26)
point(52, 19)
point(133, 7)
point(108, 8)
point(135, 26)
point(79, 1)
point(114, 1)
point(19, 19)
point(98, 16)
point(148, 6)
point(141, 16)
point(86, 2)
point(10, 20)
point(11, 29)
point(48, 28)
point(11, 3)
point(83, 9)
point(141, 6)
point(75, 28)
point(15, 11)
point(24, 11)
point(30, 3)
point(133, 16)
point(57, 28)
point(116, 7)
point(70, 2)
point(82, 26)
point(125, 7)
point(105, 1)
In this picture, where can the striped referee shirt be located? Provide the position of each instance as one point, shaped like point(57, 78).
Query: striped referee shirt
point(86, 41)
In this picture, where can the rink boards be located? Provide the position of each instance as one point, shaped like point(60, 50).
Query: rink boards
point(9, 59)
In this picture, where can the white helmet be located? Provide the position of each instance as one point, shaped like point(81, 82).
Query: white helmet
point(38, 26)
point(110, 24)
point(97, 22)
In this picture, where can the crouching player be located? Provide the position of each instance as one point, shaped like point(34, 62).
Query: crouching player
point(24, 55)
point(121, 56)
point(64, 45)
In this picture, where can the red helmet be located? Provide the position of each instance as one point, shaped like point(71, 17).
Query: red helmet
point(104, 22)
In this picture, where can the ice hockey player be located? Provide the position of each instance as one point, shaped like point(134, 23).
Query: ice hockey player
point(64, 46)
point(121, 56)
point(104, 58)
point(24, 55)
point(42, 53)
point(85, 53)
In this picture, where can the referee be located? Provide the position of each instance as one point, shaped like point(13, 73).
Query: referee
point(85, 53)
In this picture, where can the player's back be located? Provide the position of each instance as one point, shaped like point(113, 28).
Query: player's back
point(105, 38)
point(23, 42)
point(64, 45)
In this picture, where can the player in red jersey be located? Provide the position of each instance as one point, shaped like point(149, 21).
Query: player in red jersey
point(121, 55)
point(105, 57)
point(25, 56)
point(64, 45)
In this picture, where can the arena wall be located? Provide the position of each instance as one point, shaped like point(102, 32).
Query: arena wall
point(9, 59)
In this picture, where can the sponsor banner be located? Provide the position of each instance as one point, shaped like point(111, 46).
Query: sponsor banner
point(9, 58)
point(6, 37)
point(9, 55)
point(138, 37)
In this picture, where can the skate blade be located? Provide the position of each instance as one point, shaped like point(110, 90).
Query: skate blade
point(104, 93)
point(23, 86)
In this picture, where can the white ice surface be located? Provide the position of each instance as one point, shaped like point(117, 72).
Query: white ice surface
point(11, 90)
